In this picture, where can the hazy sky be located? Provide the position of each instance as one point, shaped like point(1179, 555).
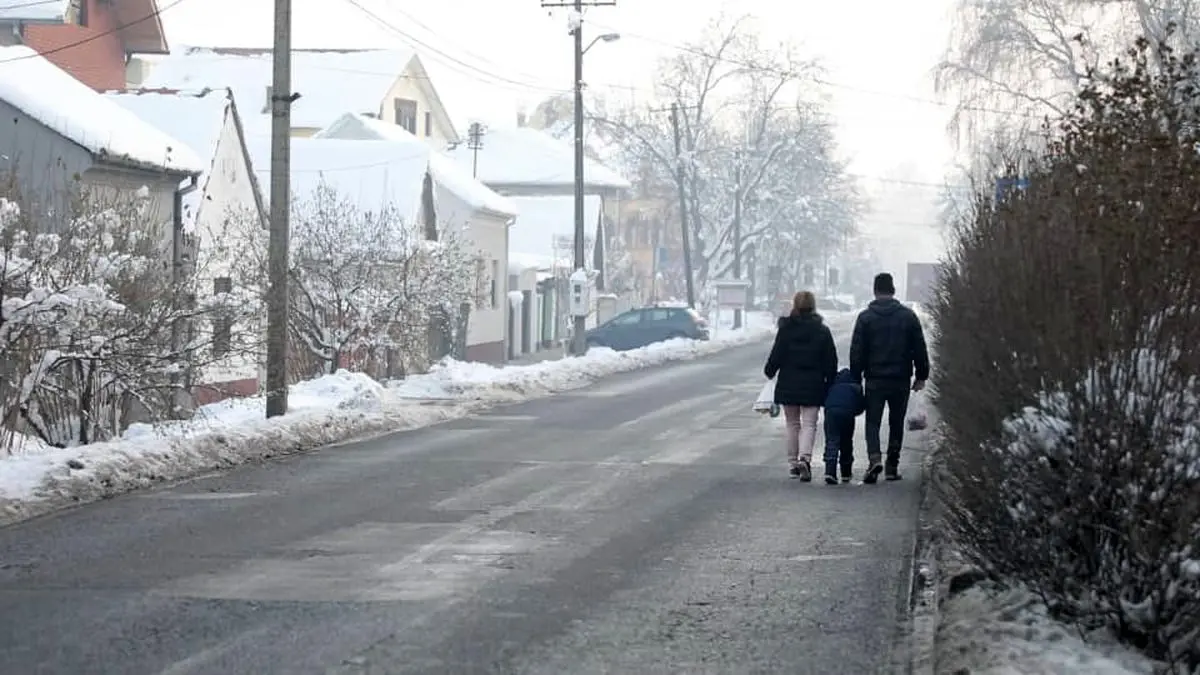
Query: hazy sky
point(489, 56)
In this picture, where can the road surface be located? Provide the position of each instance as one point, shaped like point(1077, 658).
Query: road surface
point(643, 525)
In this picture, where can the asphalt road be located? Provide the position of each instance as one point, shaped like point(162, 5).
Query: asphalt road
point(643, 525)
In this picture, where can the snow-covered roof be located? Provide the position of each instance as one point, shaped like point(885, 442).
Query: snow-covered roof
point(542, 220)
point(70, 108)
point(195, 117)
point(445, 171)
point(372, 174)
point(329, 81)
point(524, 156)
point(30, 10)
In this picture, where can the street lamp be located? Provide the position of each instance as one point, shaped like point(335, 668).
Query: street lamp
point(578, 340)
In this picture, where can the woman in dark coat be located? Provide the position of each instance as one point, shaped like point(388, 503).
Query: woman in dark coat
point(803, 362)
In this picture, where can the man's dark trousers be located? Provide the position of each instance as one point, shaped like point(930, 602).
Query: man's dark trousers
point(894, 395)
point(839, 440)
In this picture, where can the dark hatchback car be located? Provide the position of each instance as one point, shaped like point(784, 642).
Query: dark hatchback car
point(640, 327)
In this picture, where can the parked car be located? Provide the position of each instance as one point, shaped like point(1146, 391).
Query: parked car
point(832, 305)
point(647, 325)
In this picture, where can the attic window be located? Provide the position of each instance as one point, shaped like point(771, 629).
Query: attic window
point(406, 114)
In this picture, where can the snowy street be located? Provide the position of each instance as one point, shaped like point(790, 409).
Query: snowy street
point(643, 524)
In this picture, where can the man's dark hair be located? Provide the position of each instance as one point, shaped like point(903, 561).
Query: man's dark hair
point(884, 285)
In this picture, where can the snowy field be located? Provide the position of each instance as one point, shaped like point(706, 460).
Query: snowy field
point(35, 479)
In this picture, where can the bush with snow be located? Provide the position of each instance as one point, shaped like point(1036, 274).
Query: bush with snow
point(97, 326)
point(1067, 374)
point(369, 288)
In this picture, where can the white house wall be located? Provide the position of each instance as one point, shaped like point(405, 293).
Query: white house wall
point(229, 201)
point(487, 236)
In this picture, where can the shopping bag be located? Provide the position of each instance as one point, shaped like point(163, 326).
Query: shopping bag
point(765, 403)
point(918, 420)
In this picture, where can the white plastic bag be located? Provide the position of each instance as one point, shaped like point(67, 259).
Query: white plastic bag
point(918, 420)
point(765, 403)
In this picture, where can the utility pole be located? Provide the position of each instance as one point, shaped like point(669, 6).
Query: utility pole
point(578, 339)
point(737, 231)
point(475, 143)
point(277, 293)
point(683, 219)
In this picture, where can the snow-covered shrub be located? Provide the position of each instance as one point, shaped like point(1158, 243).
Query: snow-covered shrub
point(368, 288)
point(1067, 374)
point(97, 319)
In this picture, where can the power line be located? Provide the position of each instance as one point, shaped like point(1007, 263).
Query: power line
point(97, 36)
point(471, 71)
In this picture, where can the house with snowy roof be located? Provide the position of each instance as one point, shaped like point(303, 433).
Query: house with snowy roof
point(90, 39)
point(227, 195)
point(388, 84)
point(404, 173)
point(59, 136)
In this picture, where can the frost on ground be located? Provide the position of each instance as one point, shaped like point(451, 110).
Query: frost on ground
point(986, 630)
point(36, 479)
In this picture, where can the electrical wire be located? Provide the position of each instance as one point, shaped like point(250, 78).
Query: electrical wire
point(91, 38)
point(471, 71)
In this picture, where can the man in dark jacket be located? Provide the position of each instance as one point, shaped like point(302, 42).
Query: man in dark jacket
point(887, 350)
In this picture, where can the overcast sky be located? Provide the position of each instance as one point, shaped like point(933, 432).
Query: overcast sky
point(494, 55)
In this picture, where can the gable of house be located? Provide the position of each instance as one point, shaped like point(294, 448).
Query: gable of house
point(377, 82)
point(207, 121)
point(522, 160)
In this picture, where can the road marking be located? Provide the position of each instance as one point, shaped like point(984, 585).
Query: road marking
point(504, 418)
point(683, 406)
point(817, 558)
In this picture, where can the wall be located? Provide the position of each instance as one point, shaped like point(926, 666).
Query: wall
point(488, 235)
point(228, 201)
point(408, 87)
point(99, 62)
point(43, 161)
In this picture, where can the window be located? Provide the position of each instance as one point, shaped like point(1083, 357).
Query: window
point(79, 12)
point(627, 319)
point(406, 114)
point(660, 315)
point(222, 332)
point(495, 284)
point(428, 124)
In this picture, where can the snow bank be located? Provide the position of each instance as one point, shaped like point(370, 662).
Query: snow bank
point(988, 631)
point(35, 479)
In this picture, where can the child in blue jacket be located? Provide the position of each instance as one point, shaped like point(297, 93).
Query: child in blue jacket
point(843, 403)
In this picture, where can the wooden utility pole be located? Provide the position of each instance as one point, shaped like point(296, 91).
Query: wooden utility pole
point(277, 293)
point(579, 342)
point(475, 144)
point(683, 219)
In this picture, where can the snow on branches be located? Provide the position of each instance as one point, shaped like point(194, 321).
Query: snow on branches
point(749, 136)
point(368, 288)
point(97, 327)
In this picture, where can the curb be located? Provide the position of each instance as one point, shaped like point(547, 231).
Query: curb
point(925, 584)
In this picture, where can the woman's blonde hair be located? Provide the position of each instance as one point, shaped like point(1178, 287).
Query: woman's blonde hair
point(802, 302)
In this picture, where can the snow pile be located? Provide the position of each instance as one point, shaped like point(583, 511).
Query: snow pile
point(989, 631)
point(1092, 502)
point(36, 479)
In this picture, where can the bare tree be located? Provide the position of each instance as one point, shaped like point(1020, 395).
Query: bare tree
point(749, 138)
point(1011, 62)
point(366, 283)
